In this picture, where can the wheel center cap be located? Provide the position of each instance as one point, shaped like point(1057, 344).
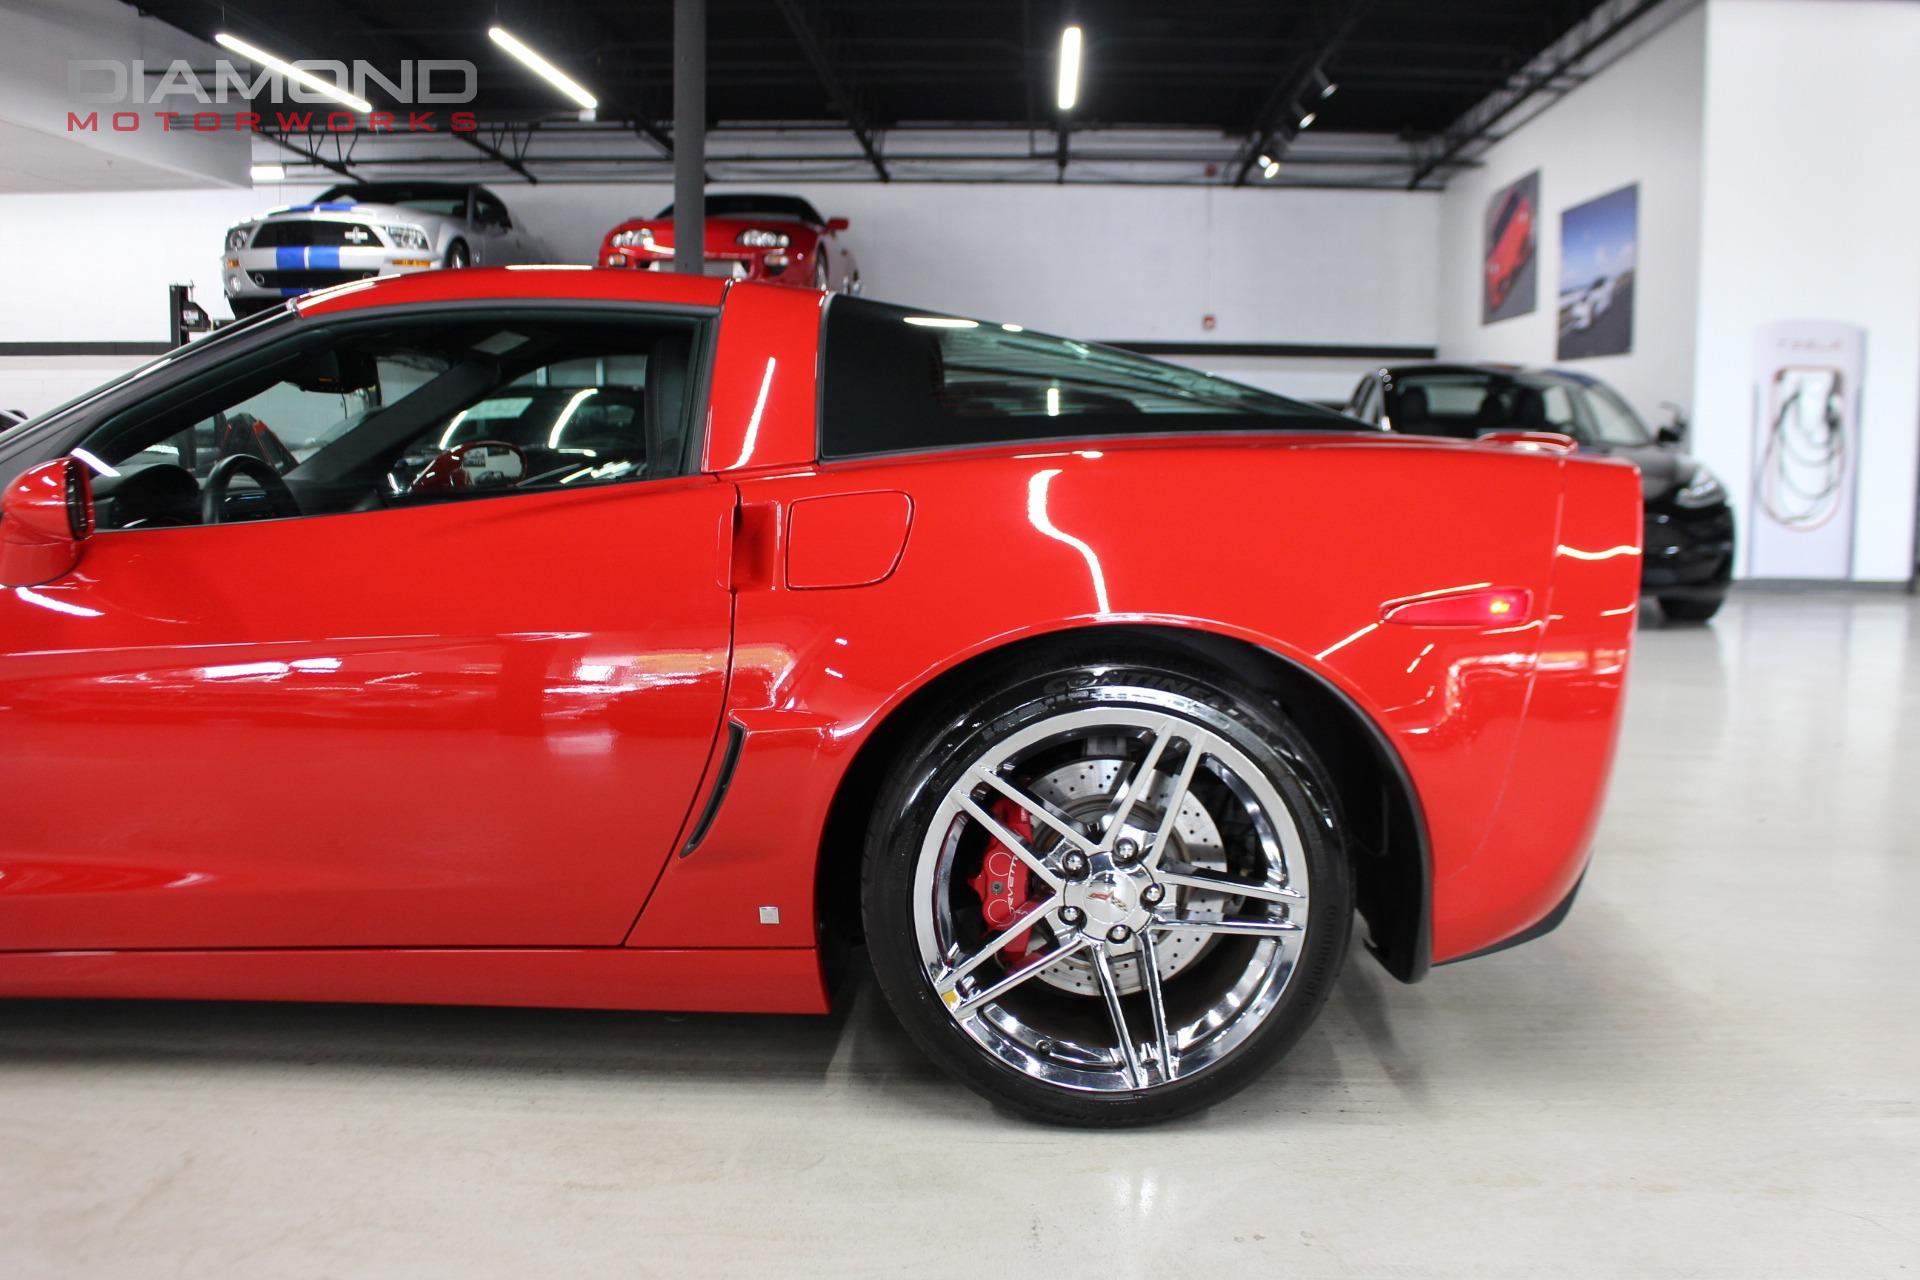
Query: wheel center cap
point(1110, 898)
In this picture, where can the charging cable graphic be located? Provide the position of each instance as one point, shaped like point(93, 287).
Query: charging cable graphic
point(1804, 467)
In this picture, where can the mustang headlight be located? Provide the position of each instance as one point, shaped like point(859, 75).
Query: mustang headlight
point(1704, 490)
point(759, 238)
point(407, 237)
point(237, 238)
point(628, 239)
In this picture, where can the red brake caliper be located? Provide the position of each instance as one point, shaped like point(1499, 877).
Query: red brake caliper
point(1004, 883)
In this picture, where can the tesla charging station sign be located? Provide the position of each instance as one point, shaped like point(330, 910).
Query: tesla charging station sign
point(1806, 449)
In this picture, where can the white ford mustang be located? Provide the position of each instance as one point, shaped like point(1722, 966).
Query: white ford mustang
point(363, 229)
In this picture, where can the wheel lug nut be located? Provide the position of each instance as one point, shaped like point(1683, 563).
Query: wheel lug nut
point(1074, 864)
point(1119, 933)
point(1152, 894)
point(1072, 915)
point(1125, 851)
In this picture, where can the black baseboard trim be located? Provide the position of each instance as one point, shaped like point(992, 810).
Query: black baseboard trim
point(1798, 586)
point(84, 348)
point(1283, 350)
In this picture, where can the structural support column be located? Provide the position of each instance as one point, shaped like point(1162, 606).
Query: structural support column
point(689, 134)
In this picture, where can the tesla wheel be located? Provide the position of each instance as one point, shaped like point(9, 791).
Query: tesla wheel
point(1690, 608)
point(1110, 891)
point(458, 256)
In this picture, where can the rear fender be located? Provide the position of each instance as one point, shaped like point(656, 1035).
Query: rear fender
point(1292, 547)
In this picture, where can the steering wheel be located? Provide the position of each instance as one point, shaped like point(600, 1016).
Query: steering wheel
point(213, 495)
point(448, 470)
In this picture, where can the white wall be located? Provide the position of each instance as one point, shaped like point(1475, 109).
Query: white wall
point(1126, 262)
point(38, 40)
point(1638, 120)
point(1123, 263)
point(1811, 188)
point(1108, 262)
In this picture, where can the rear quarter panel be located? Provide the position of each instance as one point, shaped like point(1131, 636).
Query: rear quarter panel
point(1293, 544)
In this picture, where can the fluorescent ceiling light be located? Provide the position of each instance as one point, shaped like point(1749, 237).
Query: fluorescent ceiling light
point(1309, 118)
point(1069, 68)
point(268, 173)
point(542, 68)
point(280, 66)
point(1330, 90)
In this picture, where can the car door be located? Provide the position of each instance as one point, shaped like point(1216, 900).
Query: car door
point(469, 716)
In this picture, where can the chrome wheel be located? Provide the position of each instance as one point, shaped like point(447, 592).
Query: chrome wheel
point(1112, 898)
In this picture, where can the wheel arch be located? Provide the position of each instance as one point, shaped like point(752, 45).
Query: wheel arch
point(1385, 834)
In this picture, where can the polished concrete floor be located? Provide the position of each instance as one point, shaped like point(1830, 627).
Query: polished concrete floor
point(1710, 1070)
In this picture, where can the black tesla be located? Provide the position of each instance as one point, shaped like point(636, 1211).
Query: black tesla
point(1689, 529)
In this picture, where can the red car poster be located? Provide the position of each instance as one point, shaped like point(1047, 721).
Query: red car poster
point(1508, 274)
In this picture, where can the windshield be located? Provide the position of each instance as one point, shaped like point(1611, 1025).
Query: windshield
point(427, 197)
point(792, 208)
point(1465, 403)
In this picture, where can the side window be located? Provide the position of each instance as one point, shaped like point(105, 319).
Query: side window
point(366, 418)
point(1559, 408)
point(898, 380)
point(489, 212)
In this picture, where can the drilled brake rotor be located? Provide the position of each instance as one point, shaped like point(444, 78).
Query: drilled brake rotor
point(1083, 791)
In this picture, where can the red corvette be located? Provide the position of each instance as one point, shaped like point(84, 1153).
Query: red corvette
point(749, 237)
point(596, 639)
point(1512, 247)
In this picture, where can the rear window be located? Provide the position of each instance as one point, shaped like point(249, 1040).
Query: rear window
point(897, 380)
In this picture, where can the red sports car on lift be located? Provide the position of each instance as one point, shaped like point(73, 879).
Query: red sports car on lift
point(630, 641)
point(749, 237)
point(1512, 247)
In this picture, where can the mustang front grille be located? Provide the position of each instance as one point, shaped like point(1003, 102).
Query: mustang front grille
point(273, 235)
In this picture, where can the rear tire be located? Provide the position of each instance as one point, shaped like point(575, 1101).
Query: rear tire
point(1236, 881)
point(1690, 608)
point(458, 256)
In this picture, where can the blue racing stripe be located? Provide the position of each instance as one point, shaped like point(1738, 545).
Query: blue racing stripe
point(290, 257)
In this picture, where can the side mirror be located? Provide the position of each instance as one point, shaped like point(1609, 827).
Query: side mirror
point(1674, 431)
point(838, 224)
point(45, 516)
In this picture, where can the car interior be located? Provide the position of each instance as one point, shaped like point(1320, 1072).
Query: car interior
point(363, 419)
point(1465, 406)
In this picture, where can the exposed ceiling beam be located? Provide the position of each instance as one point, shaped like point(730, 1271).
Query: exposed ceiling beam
point(495, 153)
point(314, 156)
point(1327, 31)
point(798, 20)
point(656, 135)
point(1553, 66)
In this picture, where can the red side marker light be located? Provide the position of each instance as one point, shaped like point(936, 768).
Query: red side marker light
point(1475, 607)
